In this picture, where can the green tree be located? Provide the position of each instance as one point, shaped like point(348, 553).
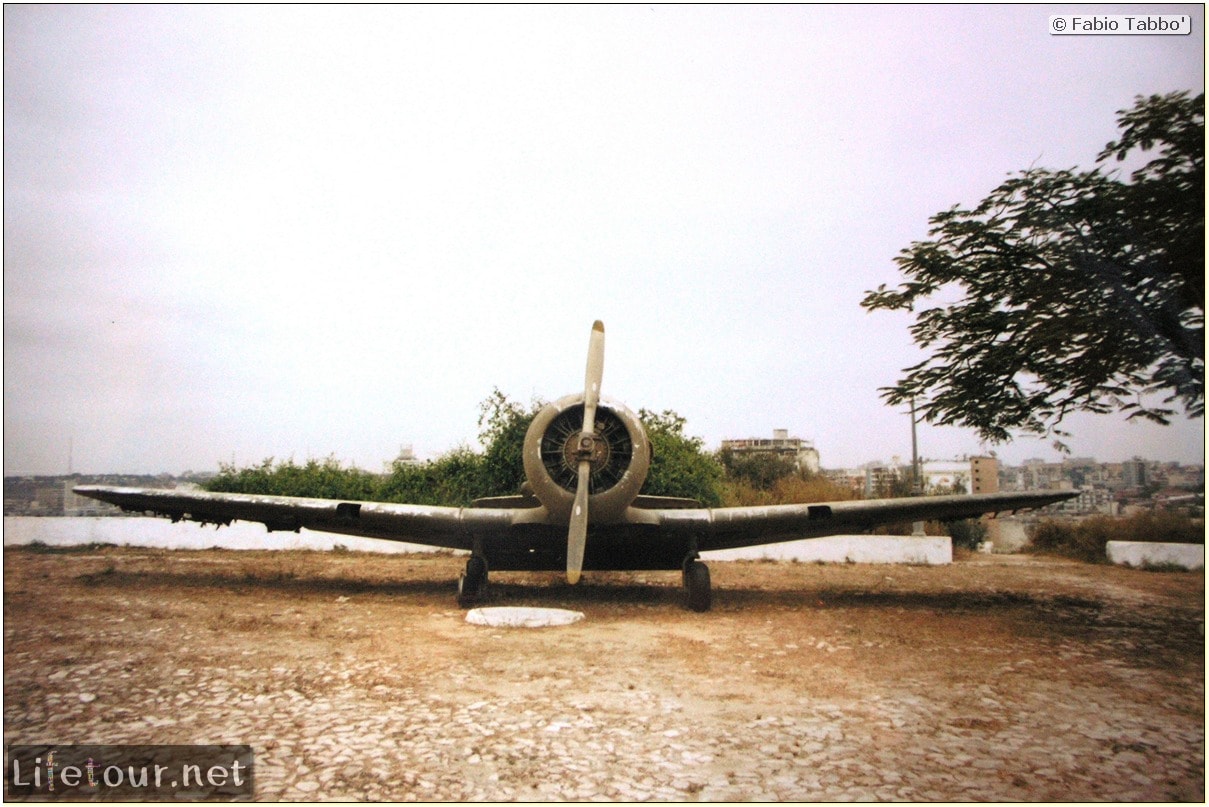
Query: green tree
point(1078, 290)
point(326, 479)
point(454, 479)
point(680, 465)
point(967, 533)
point(760, 469)
point(458, 477)
point(503, 424)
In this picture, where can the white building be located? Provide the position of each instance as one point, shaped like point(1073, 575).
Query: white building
point(949, 475)
point(801, 452)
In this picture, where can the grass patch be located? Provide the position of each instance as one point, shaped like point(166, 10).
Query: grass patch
point(273, 576)
point(93, 578)
point(1165, 566)
point(40, 548)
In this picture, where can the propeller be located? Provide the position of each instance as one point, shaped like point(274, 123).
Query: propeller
point(577, 532)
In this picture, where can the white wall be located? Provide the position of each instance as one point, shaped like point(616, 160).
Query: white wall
point(160, 532)
point(1141, 553)
point(931, 550)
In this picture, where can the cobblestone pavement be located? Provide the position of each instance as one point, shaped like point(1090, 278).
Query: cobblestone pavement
point(353, 677)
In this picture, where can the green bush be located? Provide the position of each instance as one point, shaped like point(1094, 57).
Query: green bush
point(456, 478)
point(967, 533)
point(326, 479)
point(679, 466)
point(760, 470)
point(502, 427)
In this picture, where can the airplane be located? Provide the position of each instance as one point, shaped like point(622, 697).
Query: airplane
point(581, 508)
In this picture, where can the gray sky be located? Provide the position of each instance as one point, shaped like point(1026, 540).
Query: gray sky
point(233, 233)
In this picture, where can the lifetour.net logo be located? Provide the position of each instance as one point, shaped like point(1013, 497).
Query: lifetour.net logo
point(135, 772)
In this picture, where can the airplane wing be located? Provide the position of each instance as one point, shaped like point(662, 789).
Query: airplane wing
point(452, 527)
point(730, 527)
point(457, 527)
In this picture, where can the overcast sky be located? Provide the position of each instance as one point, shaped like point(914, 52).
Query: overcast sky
point(232, 233)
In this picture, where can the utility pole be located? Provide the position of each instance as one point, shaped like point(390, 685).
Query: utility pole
point(917, 488)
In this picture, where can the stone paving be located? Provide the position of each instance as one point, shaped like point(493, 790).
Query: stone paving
point(349, 694)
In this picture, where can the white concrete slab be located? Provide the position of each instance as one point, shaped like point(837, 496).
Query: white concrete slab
point(930, 550)
point(1007, 535)
point(162, 533)
point(517, 617)
point(1142, 553)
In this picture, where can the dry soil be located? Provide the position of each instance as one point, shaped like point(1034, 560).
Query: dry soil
point(355, 676)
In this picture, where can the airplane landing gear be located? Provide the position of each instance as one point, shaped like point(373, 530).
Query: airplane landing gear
point(472, 582)
point(696, 583)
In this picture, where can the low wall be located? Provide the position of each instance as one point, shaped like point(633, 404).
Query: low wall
point(1142, 553)
point(161, 532)
point(930, 550)
point(1008, 535)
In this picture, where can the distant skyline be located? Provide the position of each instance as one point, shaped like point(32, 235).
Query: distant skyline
point(239, 232)
point(945, 464)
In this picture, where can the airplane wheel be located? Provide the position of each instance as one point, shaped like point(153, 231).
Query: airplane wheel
point(466, 596)
point(476, 569)
point(472, 582)
point(696, 580)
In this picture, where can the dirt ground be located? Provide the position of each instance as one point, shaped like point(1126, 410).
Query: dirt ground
point(355, 676)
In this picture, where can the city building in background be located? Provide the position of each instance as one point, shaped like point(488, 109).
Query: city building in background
point(802, 453)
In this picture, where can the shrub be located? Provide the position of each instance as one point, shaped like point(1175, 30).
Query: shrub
point(679, 465)
point(453, 479)
point(319, 479)
point(503, 424)
point(967, 533)
point(761, 470)
point(796, 489)
point(1087, 540)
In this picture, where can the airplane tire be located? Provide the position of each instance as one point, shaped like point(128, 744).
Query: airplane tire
point(472, 582)
point(476, 569)
point(466, 596)
point(696, 580)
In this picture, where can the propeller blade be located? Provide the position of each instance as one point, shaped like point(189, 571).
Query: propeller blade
point(593, 376)
point(577, 534)
point(577, 530)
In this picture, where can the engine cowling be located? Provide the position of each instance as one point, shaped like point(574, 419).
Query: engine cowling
point(619, 454)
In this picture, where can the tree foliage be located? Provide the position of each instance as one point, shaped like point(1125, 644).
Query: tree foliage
point(1078, 290)
point(967, 533)
point(320, 479)
point(760, 469)
point(797, 488)
point(1088, 540)
point(456, 478)
point(680, 466)
point(502, 427)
